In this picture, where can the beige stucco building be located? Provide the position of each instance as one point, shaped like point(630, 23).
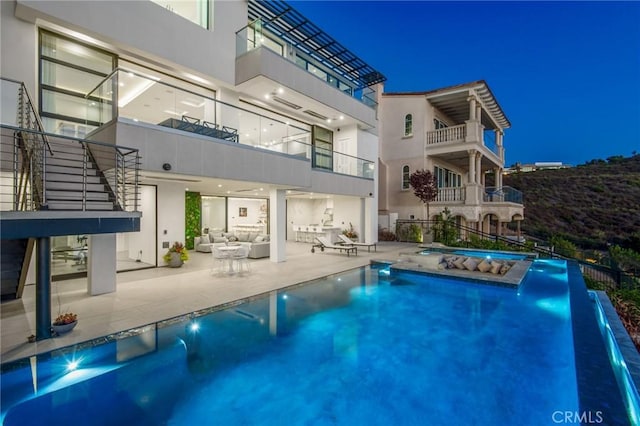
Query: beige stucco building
point(457, 133)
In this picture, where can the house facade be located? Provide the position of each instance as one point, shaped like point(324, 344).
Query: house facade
point(244, 117)
point(457, 133)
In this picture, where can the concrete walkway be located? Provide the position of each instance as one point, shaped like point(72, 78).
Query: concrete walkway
point(151, 295)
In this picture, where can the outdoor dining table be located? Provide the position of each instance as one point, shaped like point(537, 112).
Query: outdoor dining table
point(228, 251)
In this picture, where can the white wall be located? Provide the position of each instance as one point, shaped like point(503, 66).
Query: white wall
point(254, 216)
point(145, 240)
point(162, 35)
point(302, 211)
point(171, 207)
point(19, 47)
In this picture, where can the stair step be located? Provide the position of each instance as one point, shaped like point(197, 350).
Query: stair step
point(76, 196)
point(77, 205)
point(74, 186)
point(76, 170)
point(59, 177)
point(74, 163)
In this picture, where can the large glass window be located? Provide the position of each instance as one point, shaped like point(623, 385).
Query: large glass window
point(406, 175)
point(408, 125)
point(323, 147)
point(197, 11)
point(68, 71)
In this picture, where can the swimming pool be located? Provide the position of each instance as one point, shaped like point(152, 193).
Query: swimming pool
point(368, 346)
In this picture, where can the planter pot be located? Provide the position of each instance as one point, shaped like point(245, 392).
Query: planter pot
point(64, 328)
point(427, 237)
point(175, 261)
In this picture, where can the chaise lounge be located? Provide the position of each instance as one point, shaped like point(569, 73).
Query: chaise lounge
point(347, 241)
point(323, 243)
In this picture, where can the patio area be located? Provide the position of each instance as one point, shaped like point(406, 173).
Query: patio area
point(151, 295)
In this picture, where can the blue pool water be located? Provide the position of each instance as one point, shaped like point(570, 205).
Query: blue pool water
point(485, 254)
point(366, 347)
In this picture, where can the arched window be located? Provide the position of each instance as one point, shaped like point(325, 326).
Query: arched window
point(405, 177)
point(408, 125)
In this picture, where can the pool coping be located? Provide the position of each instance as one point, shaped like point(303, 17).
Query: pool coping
point(450, 250)
point(625, 344)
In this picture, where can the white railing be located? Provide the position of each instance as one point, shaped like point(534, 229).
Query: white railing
point(448, 134)
point(450, 194)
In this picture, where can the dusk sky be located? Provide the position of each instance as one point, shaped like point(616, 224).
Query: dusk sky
point(566, 74)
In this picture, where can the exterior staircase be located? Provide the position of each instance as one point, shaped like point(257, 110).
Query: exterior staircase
point(15, 256)
point(73, 180)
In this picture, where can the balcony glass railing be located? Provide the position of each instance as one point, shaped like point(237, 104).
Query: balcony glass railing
point(145, 99)
point(257, 34)
point(505, 194)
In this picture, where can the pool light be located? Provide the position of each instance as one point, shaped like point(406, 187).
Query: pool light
point(194, 327)
point(73, 365)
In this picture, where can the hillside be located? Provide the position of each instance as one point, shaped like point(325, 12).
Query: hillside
point(590, 205)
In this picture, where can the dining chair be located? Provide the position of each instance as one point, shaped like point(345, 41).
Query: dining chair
point(241, 257)
point(220, 259)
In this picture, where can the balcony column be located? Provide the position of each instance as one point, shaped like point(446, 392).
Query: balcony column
point(478, 167)
point(43, 288)
point(472, 108)
point(499, 136)
point(479, 112)
point(278, 225)
point(497, 171)
point(472, 166)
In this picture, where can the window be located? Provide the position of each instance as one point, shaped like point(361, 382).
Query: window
point(446, 178)
point(408, 125)
point(68, 71)
point(196, 11)
point(437, 124)
point(323, 148)
point(405, 177)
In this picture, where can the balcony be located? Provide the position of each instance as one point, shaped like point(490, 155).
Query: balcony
point(143, 99)
point(469, 132)
point(283, 30)
point(505, 194)
point(456, 195)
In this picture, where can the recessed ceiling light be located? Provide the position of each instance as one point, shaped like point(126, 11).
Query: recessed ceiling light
point(280, 90)
point(341, 117)
point(186, 189)
point(219, 185)
point(266, 96)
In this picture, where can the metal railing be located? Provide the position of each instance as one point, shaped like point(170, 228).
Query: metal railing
point(342, 163)
point(76, 174)
point(505, 194)
point(29, 149)
point(260, 33)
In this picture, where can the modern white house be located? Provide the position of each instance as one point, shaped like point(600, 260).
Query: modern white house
point(457, 133)
point(234, 116)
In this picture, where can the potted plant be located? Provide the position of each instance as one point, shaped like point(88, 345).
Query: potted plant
point(176, 255)
point(64, 323)
point(350, 233)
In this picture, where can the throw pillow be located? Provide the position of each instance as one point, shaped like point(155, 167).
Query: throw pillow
point(495, 267)
point(504, 269)
point(243, 236)
point(451, 262)
point(459, 262)
point(204, 239)
point(232, 238)
point(219, 240)
point(267, 238)
point(470, 264)
point(484, 266)
point(258, 239)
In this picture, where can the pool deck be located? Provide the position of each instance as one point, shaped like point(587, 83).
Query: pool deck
point(151, 295)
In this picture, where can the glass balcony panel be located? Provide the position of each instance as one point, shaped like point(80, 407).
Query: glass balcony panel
point(63, 104)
